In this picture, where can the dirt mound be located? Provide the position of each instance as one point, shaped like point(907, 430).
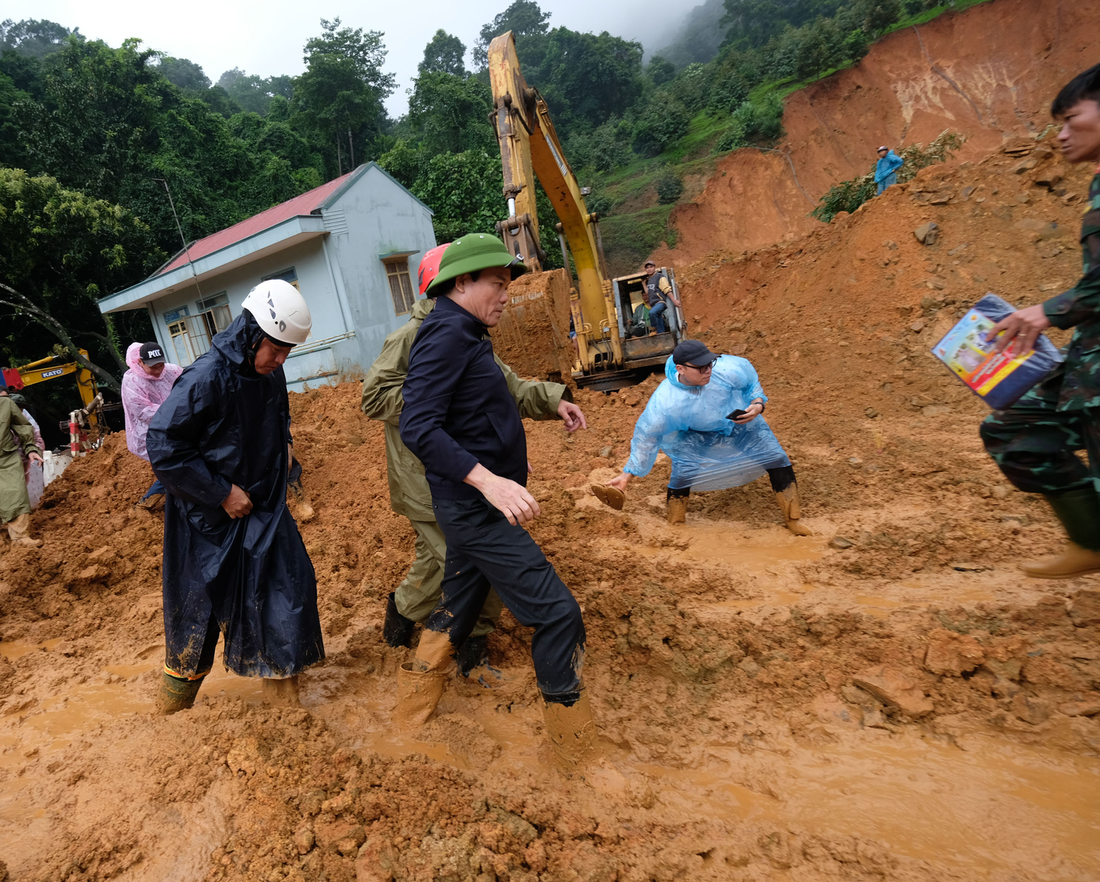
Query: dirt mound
point(989, 73)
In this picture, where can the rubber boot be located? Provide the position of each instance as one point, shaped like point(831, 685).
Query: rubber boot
point(1079, 512)
point(176, 694)
point(282, 692)
point(572, 734)
point(473, 663)
point(396, 629)
point(788, 504)
point(19, 532)
point(303, 505)
point(418, 693)
point(677, 509)
point(151, 503)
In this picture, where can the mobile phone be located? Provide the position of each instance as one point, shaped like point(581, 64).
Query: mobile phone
point(737, 413)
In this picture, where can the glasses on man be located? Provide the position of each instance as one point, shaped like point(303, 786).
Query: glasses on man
point(701, 367)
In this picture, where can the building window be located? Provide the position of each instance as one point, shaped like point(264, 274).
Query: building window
point(288, 275)
point(401, 289)
point(215, 315)
point(179, 329)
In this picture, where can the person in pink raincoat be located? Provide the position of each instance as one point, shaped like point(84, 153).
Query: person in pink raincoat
point(144, 388)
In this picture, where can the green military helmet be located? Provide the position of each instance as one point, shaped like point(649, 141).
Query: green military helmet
point(473, 252)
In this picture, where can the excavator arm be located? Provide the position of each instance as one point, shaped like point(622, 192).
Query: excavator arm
point(529, 146)
point(51, 368)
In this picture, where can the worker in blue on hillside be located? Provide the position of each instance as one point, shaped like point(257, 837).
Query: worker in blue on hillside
point(419, 592)
point(1036, 441)
point(144, 387)
point(462, 422)
point(706, 415)
point(886, 169)
point(658, 291)
point(234, 560)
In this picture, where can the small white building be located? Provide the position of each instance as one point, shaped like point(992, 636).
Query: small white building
point(352, 247)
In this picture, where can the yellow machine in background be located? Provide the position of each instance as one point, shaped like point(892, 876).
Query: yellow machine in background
point(601, 313)
point(53, 367)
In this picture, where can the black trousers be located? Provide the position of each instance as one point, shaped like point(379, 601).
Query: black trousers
point(781, 479)
point(483, 549)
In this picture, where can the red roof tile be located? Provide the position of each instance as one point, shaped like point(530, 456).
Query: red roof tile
point(296, 207)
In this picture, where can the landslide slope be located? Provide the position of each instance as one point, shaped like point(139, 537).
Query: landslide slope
point(988, 73)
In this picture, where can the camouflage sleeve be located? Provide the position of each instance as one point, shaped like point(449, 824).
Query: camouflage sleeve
point(1081, 303)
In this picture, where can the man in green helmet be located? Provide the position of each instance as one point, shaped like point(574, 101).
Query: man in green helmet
point(419, 592)
point(462, 423)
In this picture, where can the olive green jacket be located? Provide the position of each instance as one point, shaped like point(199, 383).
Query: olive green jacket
point(409, 493)
point(15, 434)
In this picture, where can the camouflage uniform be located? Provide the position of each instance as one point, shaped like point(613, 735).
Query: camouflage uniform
point(1035, 442)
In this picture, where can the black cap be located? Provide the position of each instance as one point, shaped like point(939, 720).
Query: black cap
point(693, 352)
point(151, 353)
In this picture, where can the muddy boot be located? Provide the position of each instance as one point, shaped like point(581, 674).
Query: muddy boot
point(19, 532)
point(176, 694)
point(151, 503)
point(677, 509)
point(418, 693)
point(283, 692)
point(473, 663)
point(1079, 512)
point(788, 503)
point(396, 629)
point(302, 504)
point(572, 734)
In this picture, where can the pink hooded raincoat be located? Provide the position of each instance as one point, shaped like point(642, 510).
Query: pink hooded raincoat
point(141, 396)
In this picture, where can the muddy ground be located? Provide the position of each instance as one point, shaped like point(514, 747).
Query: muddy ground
point(889, 699)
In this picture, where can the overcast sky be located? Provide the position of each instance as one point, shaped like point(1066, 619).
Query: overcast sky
point(266, 38)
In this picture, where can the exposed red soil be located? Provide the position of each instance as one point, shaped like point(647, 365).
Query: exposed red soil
point(1007, 59)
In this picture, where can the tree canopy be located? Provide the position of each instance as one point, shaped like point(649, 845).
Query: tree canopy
point(444, 54)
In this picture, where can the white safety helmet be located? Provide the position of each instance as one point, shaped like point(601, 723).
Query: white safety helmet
point(280, 310)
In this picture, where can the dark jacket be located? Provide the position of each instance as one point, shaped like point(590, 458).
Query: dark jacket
point(223, 424)
point(409, 492)
point(458, 409)
point(1078, 377)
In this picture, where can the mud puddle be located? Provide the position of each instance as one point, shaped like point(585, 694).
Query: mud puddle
point(994, 807)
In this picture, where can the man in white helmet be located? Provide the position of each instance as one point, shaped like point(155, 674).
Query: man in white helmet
point(234, 561)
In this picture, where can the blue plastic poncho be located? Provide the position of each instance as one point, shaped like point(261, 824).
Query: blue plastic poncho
point(223, 424)
point(708, 451)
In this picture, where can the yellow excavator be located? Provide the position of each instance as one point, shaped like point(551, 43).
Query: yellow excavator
point(610, 352)
point(50, 369)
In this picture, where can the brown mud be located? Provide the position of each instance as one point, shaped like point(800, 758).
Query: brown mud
point(887, 699)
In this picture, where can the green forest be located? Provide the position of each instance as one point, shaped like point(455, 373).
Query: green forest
point(94, 137)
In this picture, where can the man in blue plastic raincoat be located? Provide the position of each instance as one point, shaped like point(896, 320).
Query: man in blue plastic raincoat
point(706, 417)
point(886, 169)
point(234, 561)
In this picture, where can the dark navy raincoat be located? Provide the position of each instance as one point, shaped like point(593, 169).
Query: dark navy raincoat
point(250, 578)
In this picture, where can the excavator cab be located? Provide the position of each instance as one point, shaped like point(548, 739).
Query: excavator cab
point(633, 310)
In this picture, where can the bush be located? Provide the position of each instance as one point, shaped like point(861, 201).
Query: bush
point(598, 203)
point(845, 196)
point(730, 91)
point(604, 148)
point(763, 122)
point(663, 122)
point(732, 139)
point(669, 187)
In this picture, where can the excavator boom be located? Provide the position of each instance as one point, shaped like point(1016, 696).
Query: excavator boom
point(602, 312)
point(529, 146)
